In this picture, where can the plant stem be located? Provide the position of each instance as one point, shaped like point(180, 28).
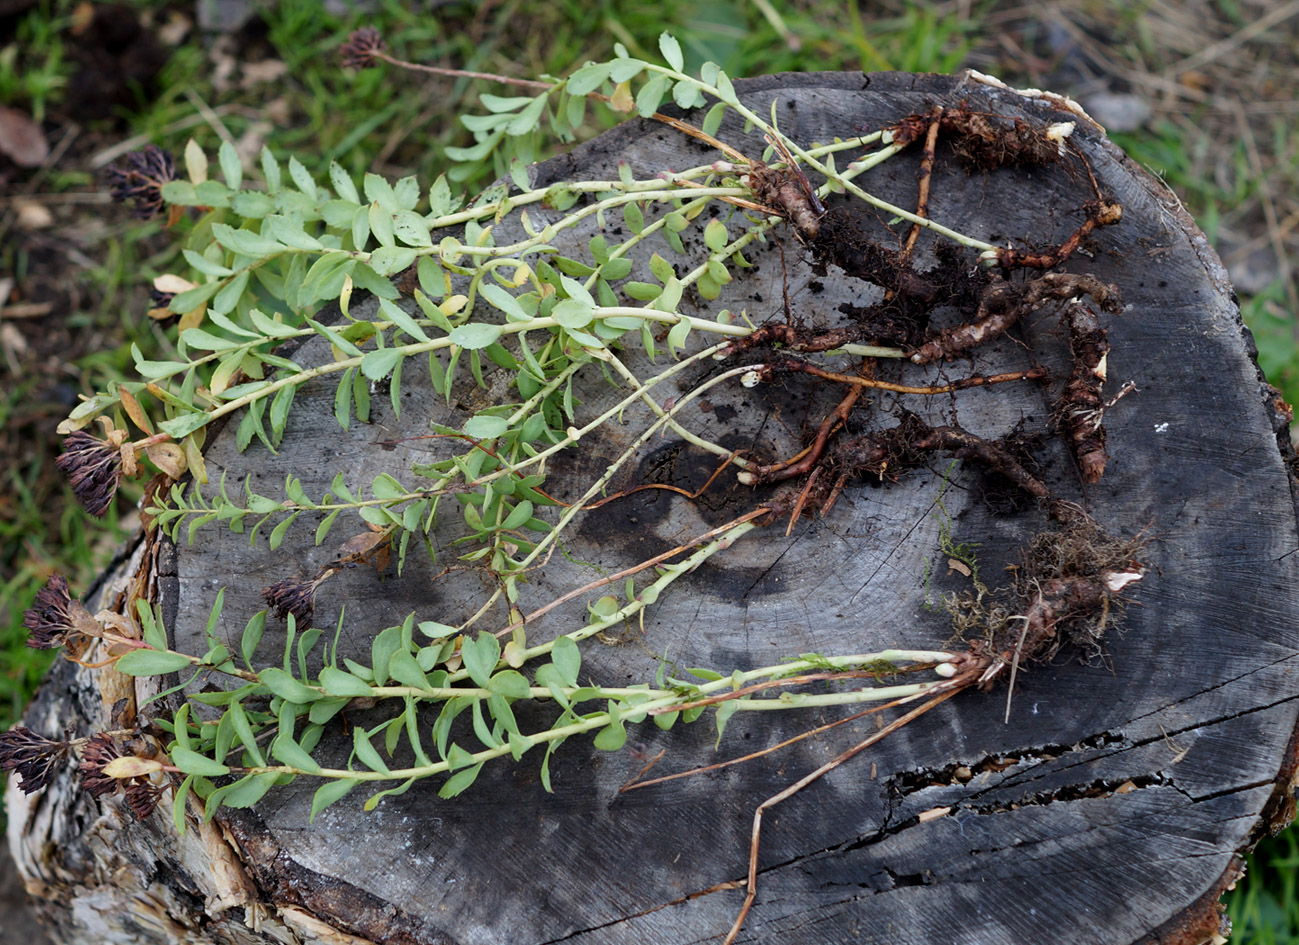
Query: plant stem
point(656, 704)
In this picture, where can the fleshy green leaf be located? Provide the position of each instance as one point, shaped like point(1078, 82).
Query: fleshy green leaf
point(152, 663)
point(302, 178)
point(330, 792)
point(567, 659)
point(500, 298)
point(249, 790)
point(337, 682)
point(380, 362)
point(411, 228)
point(481, 657)
point(612, 737)
point(389, 259)
point(671, 51)
point(286, 687)
point(588, 78)
point(713, 120)
point(191, 762)
point(191, 299)
point(572, 313)
point(485, 427)
point(343, 184)
point(366, 752)
point(651, 94)
point(475, 335)
point(245, 242)
point(287, 751)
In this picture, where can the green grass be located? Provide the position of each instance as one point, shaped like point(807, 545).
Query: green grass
point(400, 123)
point(1264, 908)
point(33, 69)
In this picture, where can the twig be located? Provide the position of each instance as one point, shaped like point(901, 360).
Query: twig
point(464, 73)
point(926, 174)
point(634, 783)
point(978, 380)
point(957, 685)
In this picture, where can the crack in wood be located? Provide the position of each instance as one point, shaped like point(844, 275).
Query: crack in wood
point(719, 887)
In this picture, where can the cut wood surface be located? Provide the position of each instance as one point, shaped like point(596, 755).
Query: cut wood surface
point(1111, 807)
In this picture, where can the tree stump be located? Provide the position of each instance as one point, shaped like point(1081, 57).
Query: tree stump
point(1112, 806)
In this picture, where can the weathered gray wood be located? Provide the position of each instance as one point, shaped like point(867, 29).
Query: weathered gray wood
point(1113, 805)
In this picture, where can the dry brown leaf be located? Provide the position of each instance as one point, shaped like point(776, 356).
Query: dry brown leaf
point(167, 282)
point(33, 215)
point(262, 72)
point(134, 410)
point(168, 457)
point(21, 139)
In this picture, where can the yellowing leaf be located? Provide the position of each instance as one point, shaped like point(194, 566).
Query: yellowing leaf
point(345, 295)
point(622, 100)
point(131, 767)
point(195, 162)
point(194, 460)
point(192, 318)
point(134, 410)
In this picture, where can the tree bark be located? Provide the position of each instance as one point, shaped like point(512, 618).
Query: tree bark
point(1113, 806)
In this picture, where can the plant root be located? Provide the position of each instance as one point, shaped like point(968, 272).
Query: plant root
point(788, 365)
point(902, 317)
point(1080, 412)
point(926, 175)
point(1005, 303)
point(1100, 212)
point(952, 687)
point(982, 141)
point(841, 240)
point(1069, 584)
point(789, 194)
point(793, 338)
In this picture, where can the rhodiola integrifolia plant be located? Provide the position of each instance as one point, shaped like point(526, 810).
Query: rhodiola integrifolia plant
point(264, 258)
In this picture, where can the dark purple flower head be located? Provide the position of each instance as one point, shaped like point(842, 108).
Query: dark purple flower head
point(53, 616)
point(160, 299)
point(93, 468)
point(36, 758)
point(95, 756)
point(360, 49)
point(141, 179)
point(141, 791)
point(142, 797)
point(293, 597)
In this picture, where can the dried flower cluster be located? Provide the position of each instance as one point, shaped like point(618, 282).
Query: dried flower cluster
point(361, 47)
point(296, 597)
point(140, 180)
point(142, 794)
point(35, 758)
point(54, 615)
point(94, 470)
